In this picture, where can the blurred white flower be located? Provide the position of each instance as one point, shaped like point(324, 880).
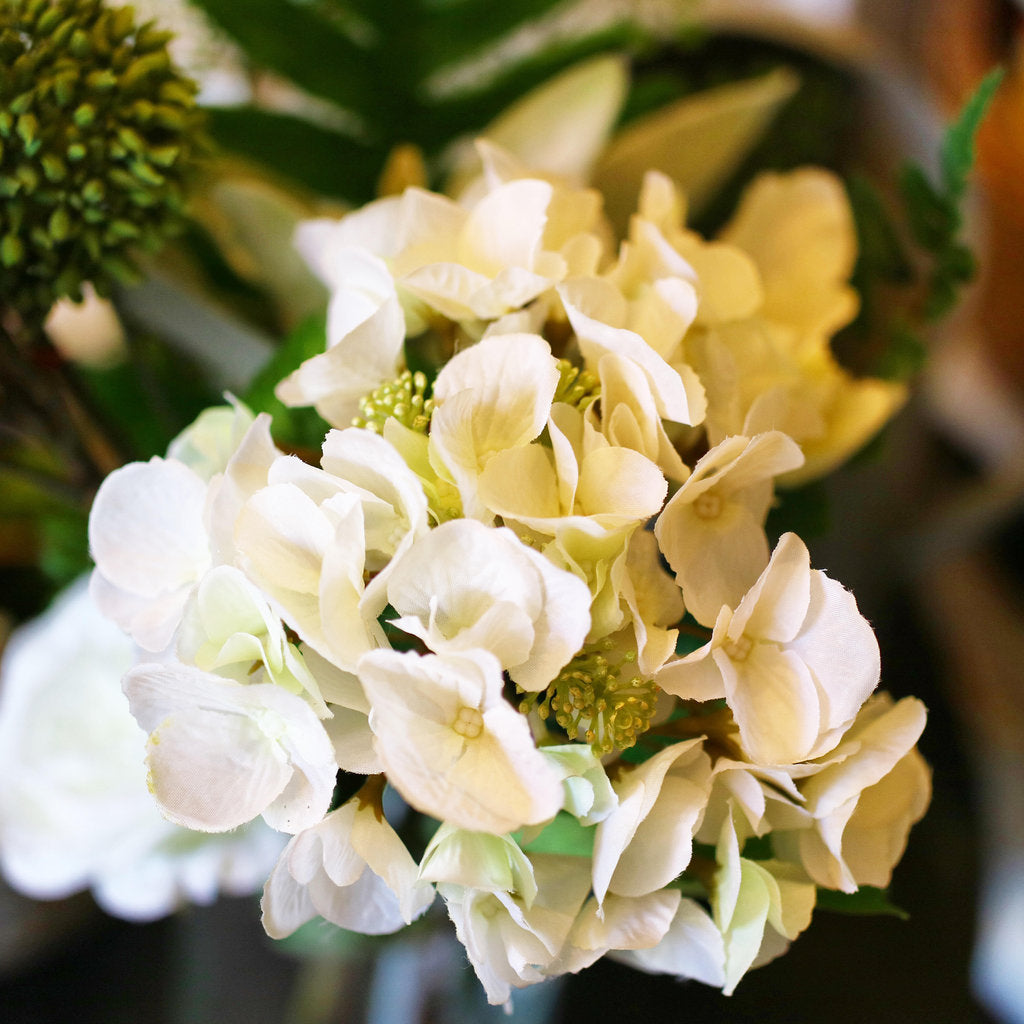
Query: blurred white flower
point(87, 332)
point(75, 811)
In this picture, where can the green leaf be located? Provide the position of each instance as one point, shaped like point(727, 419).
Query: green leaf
point(299, 43)
point(957, 153)
point(881, 254)
point(933, 217)
point(564, 835)
point(462, 28)
point(302, 428)
point(905, 355)
point(64, 545)
point(866, 900)
point(325, 161)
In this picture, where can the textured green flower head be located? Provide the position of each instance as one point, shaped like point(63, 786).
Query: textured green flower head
point(98, 132)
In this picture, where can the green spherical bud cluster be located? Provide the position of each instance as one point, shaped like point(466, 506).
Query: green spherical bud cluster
point(98, 134)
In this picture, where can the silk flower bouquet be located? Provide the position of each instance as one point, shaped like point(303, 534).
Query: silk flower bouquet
point(515, 641)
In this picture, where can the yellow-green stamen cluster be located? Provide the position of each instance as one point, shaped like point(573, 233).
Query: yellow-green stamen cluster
point(404, 398)
point(576, 387)
point(98, 134)
point(600, 698)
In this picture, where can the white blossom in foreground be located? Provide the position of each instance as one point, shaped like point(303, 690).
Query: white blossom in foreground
point(74, 809)
point(221, 753)
point(488, 399)
point(452, 745)
point(480, 597)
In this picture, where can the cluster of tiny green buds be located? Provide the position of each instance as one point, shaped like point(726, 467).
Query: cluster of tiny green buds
point(404, 399)
point(98, 136)
point(576, 387)
point(600, 698)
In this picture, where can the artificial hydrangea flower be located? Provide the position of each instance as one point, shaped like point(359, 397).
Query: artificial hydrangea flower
point(489, 399)
point(772, 292)
point(365, 329)
point(150, 545)
point(620, 925)
point(452, 745)
point(758, 906)
point(468, 598)
point(351, 869)
point(581, 500)
point(856, 809)
point(302, 539)
point(465, 586)
point(512, 942)
point(228, 628)
point(221, 753)
point(795, 660)
point(156, 527)
point(712, 529)
point(646, 841)
point(691, 947)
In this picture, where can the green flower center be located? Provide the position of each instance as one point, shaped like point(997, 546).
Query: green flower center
point(404, 398)
point(599, 697)
point(576, 387)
